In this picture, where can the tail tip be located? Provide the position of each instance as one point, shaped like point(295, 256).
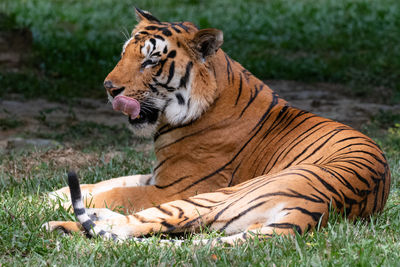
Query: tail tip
point(73, 181)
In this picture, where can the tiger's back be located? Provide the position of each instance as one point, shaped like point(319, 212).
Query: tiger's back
point(265, 135)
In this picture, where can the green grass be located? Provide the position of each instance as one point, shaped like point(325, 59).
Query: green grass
point(76, 43)
point(25, 178)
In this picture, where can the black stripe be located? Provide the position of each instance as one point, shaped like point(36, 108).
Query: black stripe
point(233, 174)
point(160, 70)
point(186, 136)
point(159, 37)
point(164, 211)
point(344, 158)
point(169, 226)
point(172, 54)
point(163, 85)
point(175, 29)
point(185, 78)
point(197, 204)
point(182, 138)
point(242, 213)
point(328, 199)
point(185, 28)
point(146, 63)
point(79, 211)
point(171, 72)
point(166, 105)
point(252, 97)
point(166, 32)
point(74, 186)
point(148, 16)
point(102, 232)
point(152, 28)
point(294, 194)
point(180, 99)
point(180, 215)
point(263, 120)
point(368, 153)
point(222, 211)
point(353, 144)
point(315, 215)
point(173, 183)
point(240, 88)
point(170, 129)
point(229, 69)
point(161, 163)
point(153, 89)
point(286, 226)
point(88, 225)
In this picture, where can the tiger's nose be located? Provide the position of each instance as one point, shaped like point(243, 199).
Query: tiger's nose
point(108, 84)
point(112, 89)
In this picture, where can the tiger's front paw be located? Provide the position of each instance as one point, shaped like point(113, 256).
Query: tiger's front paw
point(65, 227)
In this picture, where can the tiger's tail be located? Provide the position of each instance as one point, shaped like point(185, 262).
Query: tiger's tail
point(80, 212)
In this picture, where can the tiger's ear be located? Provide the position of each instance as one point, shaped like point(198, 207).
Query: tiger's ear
point(207, 41)
point(145, 15)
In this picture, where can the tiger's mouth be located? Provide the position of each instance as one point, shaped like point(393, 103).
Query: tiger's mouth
point(146, 115)
point(138, 113)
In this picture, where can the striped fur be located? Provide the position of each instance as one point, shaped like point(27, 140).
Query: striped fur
point(231, 154)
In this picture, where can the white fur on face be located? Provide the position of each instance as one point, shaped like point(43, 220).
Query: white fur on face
point(175, 112)
point(126, 44)
point(149, 49)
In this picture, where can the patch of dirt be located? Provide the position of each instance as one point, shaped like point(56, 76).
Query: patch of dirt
point(59, 158)
point(38, 115)
point(331, 101)
point(327, 100)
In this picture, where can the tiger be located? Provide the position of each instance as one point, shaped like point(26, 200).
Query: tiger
point(231, 154)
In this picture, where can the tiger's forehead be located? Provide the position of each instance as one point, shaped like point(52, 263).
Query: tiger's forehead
point(165, 29)
point(157, 36)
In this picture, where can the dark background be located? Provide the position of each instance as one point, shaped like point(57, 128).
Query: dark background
point(71, 45)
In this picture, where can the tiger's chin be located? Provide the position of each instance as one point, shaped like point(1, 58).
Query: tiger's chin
point(143, 129)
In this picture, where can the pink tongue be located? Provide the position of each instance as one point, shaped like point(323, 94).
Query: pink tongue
point(126, 104)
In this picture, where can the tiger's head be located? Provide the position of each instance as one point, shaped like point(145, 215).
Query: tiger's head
point(165, 72)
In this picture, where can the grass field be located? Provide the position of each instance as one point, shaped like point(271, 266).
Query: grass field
point(26, 176)
point(76, 43)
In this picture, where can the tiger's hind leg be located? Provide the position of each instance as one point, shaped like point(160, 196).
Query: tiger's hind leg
point(282, 203)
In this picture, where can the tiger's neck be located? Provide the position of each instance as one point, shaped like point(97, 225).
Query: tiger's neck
point(208, 147)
